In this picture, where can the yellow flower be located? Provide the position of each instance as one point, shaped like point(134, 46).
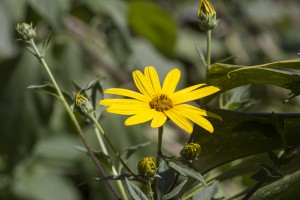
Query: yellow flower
point(158, 103)
point(206, 8)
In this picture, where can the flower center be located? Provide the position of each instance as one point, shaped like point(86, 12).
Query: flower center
point(161, 103)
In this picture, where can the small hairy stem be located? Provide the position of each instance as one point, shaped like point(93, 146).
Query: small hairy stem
point(149, 190)
point(72, 116)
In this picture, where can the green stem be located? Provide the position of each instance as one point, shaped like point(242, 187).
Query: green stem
point(158, 155)
point(113, 168)
point(159, 144)
point(114, 149)
point(72, 116)
point(208, 50)
point(149, 190)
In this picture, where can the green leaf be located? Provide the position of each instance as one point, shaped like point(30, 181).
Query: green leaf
point(46, 42)
point(155, 24)
point(228, 76)
point(128, 152)
point(284, 188)
point(207, 193)
point(234, 138)
point(174, 192)
point(167, 177)
point(185, 170)
point(51, 90)
point(237, 100)
point(134, 191)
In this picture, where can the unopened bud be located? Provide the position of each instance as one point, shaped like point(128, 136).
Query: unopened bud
point(147, 167)
point(83, 104)
point(26, 31)
point(207, 17)
point(190, 151)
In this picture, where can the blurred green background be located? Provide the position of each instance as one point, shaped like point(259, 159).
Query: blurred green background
point(109, 39)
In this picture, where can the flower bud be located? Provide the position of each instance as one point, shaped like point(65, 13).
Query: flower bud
point(26, 31)
point(190, 151)
point(147, 167)
point(207, 17)
point(83, 104)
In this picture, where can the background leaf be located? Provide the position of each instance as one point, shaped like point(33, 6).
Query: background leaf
point(159, 28)
point(233, 138)
point(207, 193)
point(53, 10)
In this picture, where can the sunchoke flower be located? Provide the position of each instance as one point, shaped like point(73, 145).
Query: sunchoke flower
point(158, 103)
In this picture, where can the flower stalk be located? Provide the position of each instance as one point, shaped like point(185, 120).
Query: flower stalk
point(70, 113)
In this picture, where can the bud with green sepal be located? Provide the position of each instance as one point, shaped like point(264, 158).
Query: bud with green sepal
point(207, 17)
point(147, 167)
point(83, 105)
point(26, 31)
point(190, 151)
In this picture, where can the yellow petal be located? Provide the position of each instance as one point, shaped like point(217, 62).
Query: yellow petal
point(152, 77)
point(110, 102)
point(184, 91)
point(170, 82)
point(196, 94)
point(142, 84)
point(198, 119)
point(127, 93)
point(158, 120)
point(180, 120)
point(127, 109)
point(190, 108)
point(141, 117)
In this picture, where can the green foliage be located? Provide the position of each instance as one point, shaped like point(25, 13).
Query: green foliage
point(154, 23)
point(185, 169)
point(207, 193)
point(134, 191)
point(174, 192)
point(50, 90)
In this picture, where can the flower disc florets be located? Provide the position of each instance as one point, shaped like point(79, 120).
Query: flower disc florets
point(161, 103)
